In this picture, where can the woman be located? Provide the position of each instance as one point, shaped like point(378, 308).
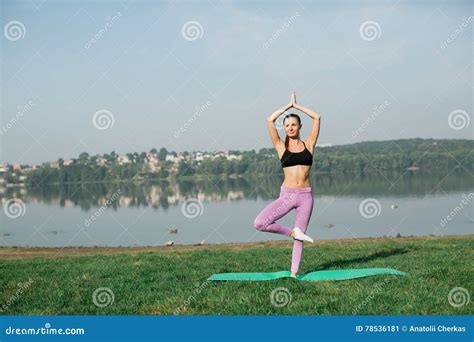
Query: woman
point(296, 158)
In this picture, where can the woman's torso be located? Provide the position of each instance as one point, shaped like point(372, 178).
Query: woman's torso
point(296, 176)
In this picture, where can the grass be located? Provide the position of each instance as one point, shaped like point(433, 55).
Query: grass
point(173, 280)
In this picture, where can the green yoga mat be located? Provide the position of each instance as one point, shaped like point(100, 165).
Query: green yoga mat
point(313, 276)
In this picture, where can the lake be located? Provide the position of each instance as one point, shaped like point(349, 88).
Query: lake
point(223, 210)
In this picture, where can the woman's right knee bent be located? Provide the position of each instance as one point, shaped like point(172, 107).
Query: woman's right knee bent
point(260, 224)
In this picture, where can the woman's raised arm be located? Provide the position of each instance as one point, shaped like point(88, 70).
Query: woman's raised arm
point(313, 137)
point(271, 124)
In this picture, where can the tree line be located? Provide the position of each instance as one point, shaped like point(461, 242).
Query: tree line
point(363, 157)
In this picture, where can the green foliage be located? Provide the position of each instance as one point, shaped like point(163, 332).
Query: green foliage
point(364, 157)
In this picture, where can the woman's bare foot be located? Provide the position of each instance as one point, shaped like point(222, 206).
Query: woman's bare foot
point(293, 275)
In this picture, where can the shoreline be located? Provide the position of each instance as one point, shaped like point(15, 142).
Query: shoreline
point(11, 253)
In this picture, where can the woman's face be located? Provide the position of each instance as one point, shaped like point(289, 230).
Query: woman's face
point(292, 127)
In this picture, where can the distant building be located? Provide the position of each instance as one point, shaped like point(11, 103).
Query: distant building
point(29, 169)
point(101, 161)
point(217, 154)
point(152, 159)
point(324, 145)
point(234, 157)
point(123, 159)
point(172, 158)
point(3, 169)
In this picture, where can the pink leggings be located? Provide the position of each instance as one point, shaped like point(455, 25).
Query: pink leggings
point(300, 199)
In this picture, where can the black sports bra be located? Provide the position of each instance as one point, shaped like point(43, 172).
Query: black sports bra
point(297, 158)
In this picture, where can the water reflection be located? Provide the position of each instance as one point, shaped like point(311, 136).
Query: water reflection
point(165, 194)
point(223, 210)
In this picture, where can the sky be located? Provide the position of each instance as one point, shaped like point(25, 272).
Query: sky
point(129, 76)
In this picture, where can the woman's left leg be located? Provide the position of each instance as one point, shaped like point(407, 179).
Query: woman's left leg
point(304, 210)
point(266, 220)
